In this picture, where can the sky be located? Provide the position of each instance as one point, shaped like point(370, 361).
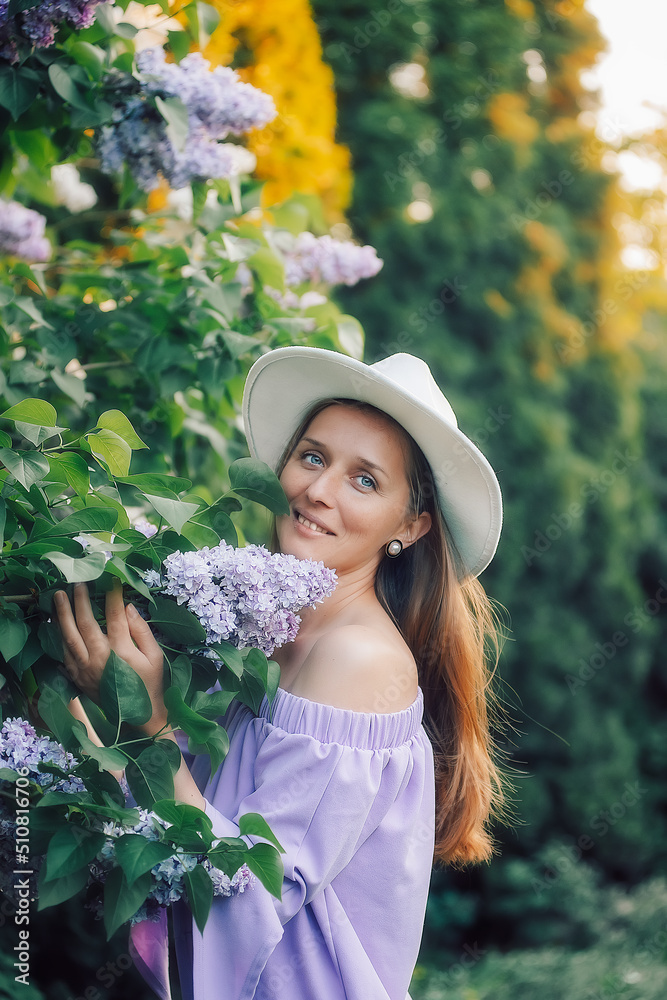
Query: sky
point(632, 73)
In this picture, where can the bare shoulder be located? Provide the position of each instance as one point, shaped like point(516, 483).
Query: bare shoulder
point(358, 667)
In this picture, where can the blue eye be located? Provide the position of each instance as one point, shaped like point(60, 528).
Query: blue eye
point(310, 454)
point(370, 482)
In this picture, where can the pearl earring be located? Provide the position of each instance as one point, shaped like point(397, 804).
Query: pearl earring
point(394, 548)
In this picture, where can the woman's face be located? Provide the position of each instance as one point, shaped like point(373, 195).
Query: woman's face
point(347, 479)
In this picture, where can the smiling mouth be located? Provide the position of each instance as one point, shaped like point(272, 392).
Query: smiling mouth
point(311, 524)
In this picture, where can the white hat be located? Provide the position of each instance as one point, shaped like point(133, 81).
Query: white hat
point(284, 383)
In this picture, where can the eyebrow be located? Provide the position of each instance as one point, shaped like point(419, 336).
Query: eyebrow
point(362, 461)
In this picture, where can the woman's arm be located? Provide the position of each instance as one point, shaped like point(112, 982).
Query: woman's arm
point(87, 649)
point(78, 711)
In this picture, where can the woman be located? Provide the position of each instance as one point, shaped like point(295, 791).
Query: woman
point(382, 711)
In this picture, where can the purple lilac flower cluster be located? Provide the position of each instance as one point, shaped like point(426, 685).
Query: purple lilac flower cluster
point(168, 885)
point(218, 104)
point(22, 232)
point(21, 748)
point(336, 262)
point(39, 24)
point(247, 596)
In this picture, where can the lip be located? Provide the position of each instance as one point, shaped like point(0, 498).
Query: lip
point(311, 517)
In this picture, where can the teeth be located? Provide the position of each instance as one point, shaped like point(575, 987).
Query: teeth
point(309, 524)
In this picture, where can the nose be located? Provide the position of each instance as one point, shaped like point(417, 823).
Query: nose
point(322, 488)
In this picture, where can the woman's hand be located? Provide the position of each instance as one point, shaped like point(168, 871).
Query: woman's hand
point(87, 648)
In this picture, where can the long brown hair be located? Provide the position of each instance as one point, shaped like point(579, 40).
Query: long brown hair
point(451, 628)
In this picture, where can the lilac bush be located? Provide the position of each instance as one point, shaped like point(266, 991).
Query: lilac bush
point(22, 750)
point(38, 25)
point(217, 103)
point(335, 262)
point(247, 596)
point(168, 882)
point(22, 232)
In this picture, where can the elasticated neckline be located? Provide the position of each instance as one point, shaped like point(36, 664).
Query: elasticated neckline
point(363, 730)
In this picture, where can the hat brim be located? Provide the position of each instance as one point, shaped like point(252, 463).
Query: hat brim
point(283, 385)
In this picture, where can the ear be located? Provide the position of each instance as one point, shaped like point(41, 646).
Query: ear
point(416, 529)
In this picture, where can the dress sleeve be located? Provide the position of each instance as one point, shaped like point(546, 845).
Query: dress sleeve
point(324, 779)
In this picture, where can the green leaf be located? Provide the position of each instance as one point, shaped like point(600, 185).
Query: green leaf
point(112, 450)
point(265, 862)
point(36, 434)
point(60, 889)
point(350, 336)
point(150, 776)
point(91, 57)
point(71, 469)
point(70, 849)
point(199, 888)
point(120, 569)
point(175, 512)
point(3, 521)
point(116, 421)
point(13, 636)
point(123, 694)
point(27, 467)
point(18, 89)
point(229, 855)
point(267, 671)
point(179, 43)
point(252, 824)
point(175, 114)
point(122, 898)
point(216, 745)
point(200, 535)
point(137, 855)
point(90, 519)
point(230, 655)
point(72, 386)
point(78, 569)
point(32, 411)
point(180, 670)
point(269, 268)
point(107, 757)
point(191, 828)
point(60, 721)
point(254, 480)
point(158, 486)
point(239, 248)
point(212, 705)
point(177, 623)
point(65, 86)
point(182, 717)
point(27, 655)
point(26, 371)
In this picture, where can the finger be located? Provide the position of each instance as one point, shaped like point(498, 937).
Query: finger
point(85, 619)
point(75, 650)
point(142, 635)
point(117, 627)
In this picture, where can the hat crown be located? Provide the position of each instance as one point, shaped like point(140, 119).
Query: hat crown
point(414, 376)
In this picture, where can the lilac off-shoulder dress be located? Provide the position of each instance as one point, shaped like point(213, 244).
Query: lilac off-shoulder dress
point(351, 798)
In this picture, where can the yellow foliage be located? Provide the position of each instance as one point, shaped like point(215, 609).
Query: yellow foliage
point(297, 151)
point(497, 302)
point(562, 129)
point(521, 8)
point(549, 243)
point(509, 116)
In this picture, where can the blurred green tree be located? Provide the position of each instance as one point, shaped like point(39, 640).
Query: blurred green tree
point(480, 179)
